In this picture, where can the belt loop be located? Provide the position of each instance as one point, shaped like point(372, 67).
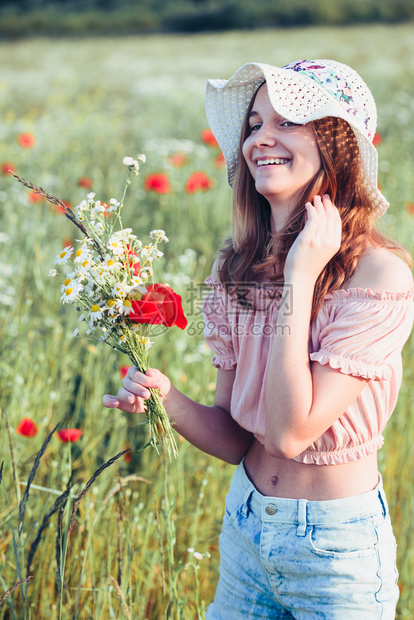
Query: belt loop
point(301, 531)
point(245, 508)
point(381, 496)
point(383, 502)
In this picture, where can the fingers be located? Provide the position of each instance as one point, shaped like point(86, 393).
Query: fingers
point(134, 391)
point(129, 405)
point(138, 383)
point(324, 218)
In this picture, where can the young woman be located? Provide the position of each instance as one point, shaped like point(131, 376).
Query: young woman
point(308, 312)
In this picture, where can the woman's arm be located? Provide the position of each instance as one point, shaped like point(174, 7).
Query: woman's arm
point(209, 428)
point(303, 399)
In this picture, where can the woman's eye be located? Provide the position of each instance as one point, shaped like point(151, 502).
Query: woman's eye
point(289, 124)
point(254, 127)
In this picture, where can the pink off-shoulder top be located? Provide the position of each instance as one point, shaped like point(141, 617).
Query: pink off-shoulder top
point(357, 331)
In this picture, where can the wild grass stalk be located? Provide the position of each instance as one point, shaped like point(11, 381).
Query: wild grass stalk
point(89, 484)
point(15, 470)
point(121, 597)
point(88, 548)
point(23, 502)
point(62, 499)
point(13, 588)
point(173, 609)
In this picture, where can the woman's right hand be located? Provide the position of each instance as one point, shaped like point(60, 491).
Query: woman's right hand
point(317, 243)
point(131, 397)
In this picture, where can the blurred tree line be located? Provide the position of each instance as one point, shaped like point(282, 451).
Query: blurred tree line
point(20, 18)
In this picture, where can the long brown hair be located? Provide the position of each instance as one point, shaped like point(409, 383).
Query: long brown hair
point(253, 250)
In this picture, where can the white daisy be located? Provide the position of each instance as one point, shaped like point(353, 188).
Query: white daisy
point(137, 285)
point(52, 273)
point(146, 342)
point(150, 252)
point(70, 293)
point(97, 226)
point(124, 234)
point(82, 254)
point(64, 256)
point(124, 306)
point(146, 273)
point(67, 284)
point(82, 272)
point(116, 246)
point(98, 207)
point(95, 313)
point(110, 264)
point(132, 164)
point(113, 316)
point(112, 310)
point(80, 208)
point(120, 289)
point(158, 235)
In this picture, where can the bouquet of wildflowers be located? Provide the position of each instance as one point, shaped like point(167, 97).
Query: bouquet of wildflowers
point(111, 284)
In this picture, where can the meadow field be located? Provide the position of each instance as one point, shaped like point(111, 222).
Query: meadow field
point(145, 540)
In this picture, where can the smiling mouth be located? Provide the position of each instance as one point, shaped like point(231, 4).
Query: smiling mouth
point(279, 161)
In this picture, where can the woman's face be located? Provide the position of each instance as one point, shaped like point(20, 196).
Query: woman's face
point(282, 157)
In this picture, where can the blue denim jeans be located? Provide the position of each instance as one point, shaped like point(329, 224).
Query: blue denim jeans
point(286, 558)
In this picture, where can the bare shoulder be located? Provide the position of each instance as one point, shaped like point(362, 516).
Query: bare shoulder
point(379, 269)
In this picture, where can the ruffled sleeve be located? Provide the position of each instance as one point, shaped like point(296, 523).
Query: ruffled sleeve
point(361, 332)
point(217, 327)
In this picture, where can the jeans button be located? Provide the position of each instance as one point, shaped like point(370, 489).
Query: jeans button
point(271, 509)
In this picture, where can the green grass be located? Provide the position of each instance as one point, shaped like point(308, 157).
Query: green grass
point(89, 103)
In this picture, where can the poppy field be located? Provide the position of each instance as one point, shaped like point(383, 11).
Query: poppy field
point(94, 524)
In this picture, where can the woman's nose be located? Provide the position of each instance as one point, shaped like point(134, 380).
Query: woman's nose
point(265, 136)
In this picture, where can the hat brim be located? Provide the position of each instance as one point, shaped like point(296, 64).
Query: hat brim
point(228, 100)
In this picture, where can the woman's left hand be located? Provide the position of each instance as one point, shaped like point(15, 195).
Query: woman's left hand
point(318, 242)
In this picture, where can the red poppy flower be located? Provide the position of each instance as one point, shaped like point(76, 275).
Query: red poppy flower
point(178, 159)
point(69, 435)
point(160, 306)
point(157, 182)
point(27, 428)
point(123, 371)
point(208, 138)
point(377, 139)
point(128, 455)
point(106, 207)
point(26, 140)
point(132, 260)
point(85, 182)
point(34, 197)
point(410, 208)
point(198, 182)
point(67, 241)
point(7, 168)
point(219, 160)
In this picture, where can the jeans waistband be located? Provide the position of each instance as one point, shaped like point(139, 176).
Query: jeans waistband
point(306, 512)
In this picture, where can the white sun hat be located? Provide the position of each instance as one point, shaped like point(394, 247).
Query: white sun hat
point(301, 92)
